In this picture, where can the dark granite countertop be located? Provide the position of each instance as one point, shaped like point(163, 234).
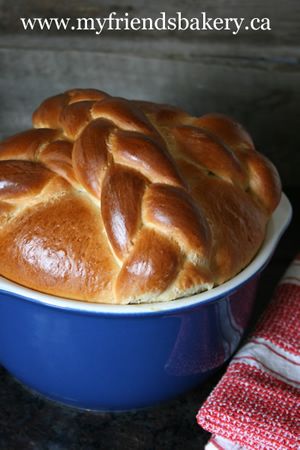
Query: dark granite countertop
point(30, 422)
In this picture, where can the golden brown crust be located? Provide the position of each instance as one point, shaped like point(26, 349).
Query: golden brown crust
point(150, 269)
point(121, 201)
point(116, 201)
point(90, 156)
point(57, 247)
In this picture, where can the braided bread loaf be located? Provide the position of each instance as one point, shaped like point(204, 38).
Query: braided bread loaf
point(115, 201)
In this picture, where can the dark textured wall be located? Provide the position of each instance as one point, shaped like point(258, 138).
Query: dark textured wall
point(253, 76)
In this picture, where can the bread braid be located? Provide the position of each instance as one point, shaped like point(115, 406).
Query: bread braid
point(145, 170)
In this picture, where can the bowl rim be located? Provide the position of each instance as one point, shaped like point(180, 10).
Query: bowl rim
point(277, 225)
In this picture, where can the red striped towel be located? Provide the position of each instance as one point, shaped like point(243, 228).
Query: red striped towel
point(256, 405)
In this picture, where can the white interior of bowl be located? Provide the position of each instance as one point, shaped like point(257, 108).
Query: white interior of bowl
point(277, 225)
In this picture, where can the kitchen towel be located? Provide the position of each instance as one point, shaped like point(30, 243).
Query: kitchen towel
point(256, 405)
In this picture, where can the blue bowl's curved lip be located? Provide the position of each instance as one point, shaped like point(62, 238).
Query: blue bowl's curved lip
point(276, 227)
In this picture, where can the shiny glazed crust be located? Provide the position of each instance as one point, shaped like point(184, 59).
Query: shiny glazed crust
point(115, 201)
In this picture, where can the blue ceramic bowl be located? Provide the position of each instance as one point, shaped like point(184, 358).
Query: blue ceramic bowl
point(112, 357)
